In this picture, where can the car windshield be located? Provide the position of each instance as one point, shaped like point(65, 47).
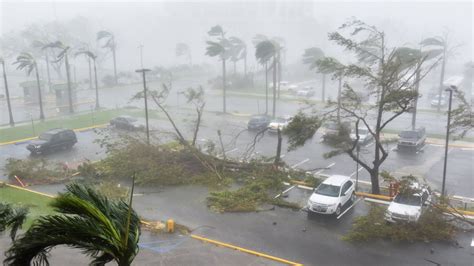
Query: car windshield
point(257, 119)
point(45, 136)
point(411, 200)
point(328, 190)
point(130, 119)
point(409, 134)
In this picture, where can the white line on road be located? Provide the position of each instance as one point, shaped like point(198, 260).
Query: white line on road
point(322, 170)
point(300, 163)
point(358, 170)
point(467, 149)
point(290, 188)
point(236, 149)
point(282, 156)
point(350, 207)
point(369, 145)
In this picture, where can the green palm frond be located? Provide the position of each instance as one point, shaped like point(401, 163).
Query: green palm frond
point(85, 52)
point(25, 61)
point(216, 31)
point(87, 221)
point(12, 218)
point(258, 39)
point(311, 56)
point(264, 51)
point(214, 49)
point(108, 37)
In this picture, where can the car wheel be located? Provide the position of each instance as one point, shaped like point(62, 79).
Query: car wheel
point(353, 197)
point(338, 210)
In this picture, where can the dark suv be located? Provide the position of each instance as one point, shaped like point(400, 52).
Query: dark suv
point(53, 139)
point(258, 122)
point(412, 139)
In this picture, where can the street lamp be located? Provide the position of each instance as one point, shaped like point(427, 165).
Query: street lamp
point(450, 90)
point(143, 71)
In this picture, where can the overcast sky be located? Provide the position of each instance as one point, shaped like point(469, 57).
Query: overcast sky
point(159, 25)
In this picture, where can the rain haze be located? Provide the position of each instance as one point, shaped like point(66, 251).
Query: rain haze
point(236, 132)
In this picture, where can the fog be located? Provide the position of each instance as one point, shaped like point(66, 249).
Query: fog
point(159, 26)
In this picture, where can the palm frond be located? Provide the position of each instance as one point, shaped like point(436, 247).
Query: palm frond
point(12, 218)
point(264, 51)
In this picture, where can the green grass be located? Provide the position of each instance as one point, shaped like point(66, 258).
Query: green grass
point(37, 205)
point(71, 122)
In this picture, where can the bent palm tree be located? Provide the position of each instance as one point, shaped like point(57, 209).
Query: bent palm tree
point(310, 57)
point(239, 52)
point(266, 50)
point(7, 92)
point(109, 43)
point(104, 230)
point(28, 62)
point(63, 54)
point(91, 56)
point(12, 218)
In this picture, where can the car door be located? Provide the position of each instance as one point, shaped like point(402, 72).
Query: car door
point(54, 142)
point(346, 192)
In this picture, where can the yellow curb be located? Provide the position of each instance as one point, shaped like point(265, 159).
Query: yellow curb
point(263, 255)
point(374, 196)
point(75, 129)
point(29, 190)
point(469, 213)
point(453, 145)
point(300, 183)
point(239, 114)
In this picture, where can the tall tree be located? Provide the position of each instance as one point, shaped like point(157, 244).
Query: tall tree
point(103, 229)
point(310, 57)
point(28, 62)
point(63, 55)
point(109, 42)
point(239, 52)
point(11, 217)
point(220, 49)
point(38, 45)
point(386, 71)
point(91, 56)
point(7, 92)
point(183, 49)
point(265, 51)
point(264, 62)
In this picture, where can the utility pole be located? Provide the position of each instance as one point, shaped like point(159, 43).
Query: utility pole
point(450, 90)
point(143, 71)
point(141, 55)
point(7, 93)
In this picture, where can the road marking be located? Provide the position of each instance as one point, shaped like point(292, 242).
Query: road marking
point(288, 189)
point(300, 163)
point(358, 170)
point(322, 170)
point(305, 187)
point(282, 156)
point(369, 145)
point(436, 145)
point(467, 149)
point(350, 207)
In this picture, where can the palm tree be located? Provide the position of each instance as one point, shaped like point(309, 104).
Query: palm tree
point(7, 92)
point(220, 48)
point(38, 45)
point(310, 57)
point(63, 54)
point(12, 218)
point(183, 49)
point(329, 65)
point(265, 51)
point(282, 44)
point(28, 62)
point(91, 56)
point(110, 44)
point(103, 229)
point(239, 52)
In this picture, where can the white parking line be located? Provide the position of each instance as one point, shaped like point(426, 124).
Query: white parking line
point(358, 170)
point(322, 170)
point(350, 207)
point(236, 149)
point(282, 156)
point(369, 145)
point(467, 149)
point(290, 188)
point(300, 163)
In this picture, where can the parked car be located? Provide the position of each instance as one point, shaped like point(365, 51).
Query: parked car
point(51, 140)
point(293, 88)
point(279, 122)
point(305, 92)
point(258, 122)
point(438, 100)
point(364, 135)
point(408, 207)
point(331, 195)
point(333, 128)
point(411, 139)
point(127, 122)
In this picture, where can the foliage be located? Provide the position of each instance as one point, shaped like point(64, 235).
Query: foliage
point(11, 217)
point(36, 170)
point(462, 121)
point(301, 128)
point(432, 226)
point(86, 220)
point(112, 190)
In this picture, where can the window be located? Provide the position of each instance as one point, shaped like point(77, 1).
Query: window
point(346, 186)
point(328, 190)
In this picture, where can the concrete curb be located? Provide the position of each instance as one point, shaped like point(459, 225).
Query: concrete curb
point(263, 255)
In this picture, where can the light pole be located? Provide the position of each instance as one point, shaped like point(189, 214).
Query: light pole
point(450, 90)
point(143, 71)
point(357, 168)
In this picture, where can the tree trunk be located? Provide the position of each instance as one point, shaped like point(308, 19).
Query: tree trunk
point(115, 64)
point(69, 88)
point(266, 88)
point(374, 178)
point(90, 72)
point(441, 80)
point(48, 72)
point(245, 65)
point(279, 73)
point(339, 88)
point(415, 103)
point(278, 151)
point(40, 98)
point(274, 86)
point(235, 67)
point(224, 86)
point(323, 91)
point(7, 94)
point(97, 105)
